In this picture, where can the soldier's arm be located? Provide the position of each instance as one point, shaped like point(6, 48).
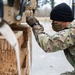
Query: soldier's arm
point(59, 41)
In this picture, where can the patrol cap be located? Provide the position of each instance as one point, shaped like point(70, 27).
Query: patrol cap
point(62, 12)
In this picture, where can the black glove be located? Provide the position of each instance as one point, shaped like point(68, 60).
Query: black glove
point(32, 21)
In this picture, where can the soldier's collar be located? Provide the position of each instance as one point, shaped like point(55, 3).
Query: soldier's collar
point(72, 24)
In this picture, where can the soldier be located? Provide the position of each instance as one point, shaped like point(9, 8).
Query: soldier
point(63, 23)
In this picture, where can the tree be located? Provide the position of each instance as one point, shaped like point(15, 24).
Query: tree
point(52, 4)
point(37, 4)
point(43, 2)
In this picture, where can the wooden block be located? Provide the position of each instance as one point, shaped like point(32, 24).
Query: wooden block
point(9, 14)
point(8, 63)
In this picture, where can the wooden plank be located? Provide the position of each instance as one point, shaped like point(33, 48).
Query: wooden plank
point(23, 53)
point(5, 44)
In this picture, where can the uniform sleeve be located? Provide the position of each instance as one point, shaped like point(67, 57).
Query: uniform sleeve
point(59, 41)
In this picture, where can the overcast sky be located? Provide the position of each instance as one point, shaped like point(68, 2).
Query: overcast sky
point(69, 2)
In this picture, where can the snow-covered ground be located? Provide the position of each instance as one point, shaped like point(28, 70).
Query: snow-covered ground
point(48, 63)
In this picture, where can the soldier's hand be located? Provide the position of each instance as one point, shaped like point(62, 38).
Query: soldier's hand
point(32, 21)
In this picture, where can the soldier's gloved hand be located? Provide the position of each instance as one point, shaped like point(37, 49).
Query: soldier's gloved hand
point(32, 21)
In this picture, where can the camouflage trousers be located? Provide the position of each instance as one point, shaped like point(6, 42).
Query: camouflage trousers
point(69, 57)
point(68, 73)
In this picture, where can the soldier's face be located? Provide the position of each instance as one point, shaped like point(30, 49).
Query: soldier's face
point(56, 26)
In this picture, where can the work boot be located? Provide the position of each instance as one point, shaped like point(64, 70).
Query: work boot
point(68, 73)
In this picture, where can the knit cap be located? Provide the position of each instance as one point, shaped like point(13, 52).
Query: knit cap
point(62, 12)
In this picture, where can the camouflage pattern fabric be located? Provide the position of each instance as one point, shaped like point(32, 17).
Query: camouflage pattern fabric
point(68, 73)
point(62, 40)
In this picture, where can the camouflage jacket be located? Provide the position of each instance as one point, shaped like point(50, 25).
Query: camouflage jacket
point(59, 41)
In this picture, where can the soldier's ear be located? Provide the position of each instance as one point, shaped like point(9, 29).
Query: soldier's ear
point(65, 24)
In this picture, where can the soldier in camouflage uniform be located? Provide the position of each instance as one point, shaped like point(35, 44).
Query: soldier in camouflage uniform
point(63, 23)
